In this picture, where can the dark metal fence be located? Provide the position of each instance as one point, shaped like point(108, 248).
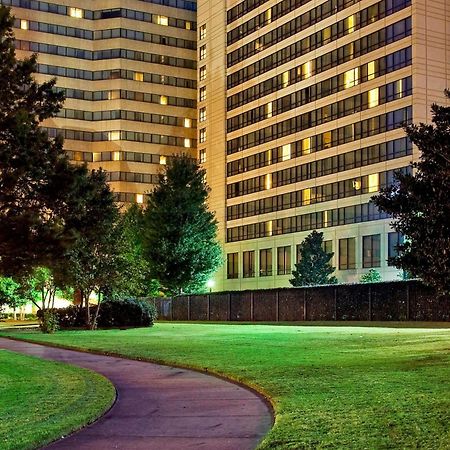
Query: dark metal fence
point(387, 301)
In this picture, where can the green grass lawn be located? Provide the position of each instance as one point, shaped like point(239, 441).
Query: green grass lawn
point(332, 387)
point(40, 401)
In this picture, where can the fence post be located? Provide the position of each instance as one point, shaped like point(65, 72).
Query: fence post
point(209, 307)
point(370, 303)
point(171, 308)
point(408, 306)
point(304, 305)
point(229, 307)
point(335, 303)
point(277, 306)
point(189, 307)
point(252, 318)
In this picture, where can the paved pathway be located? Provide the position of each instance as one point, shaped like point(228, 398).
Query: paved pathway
point(162, 408)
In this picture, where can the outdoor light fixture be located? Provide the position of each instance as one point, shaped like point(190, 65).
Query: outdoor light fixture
point(210, 284)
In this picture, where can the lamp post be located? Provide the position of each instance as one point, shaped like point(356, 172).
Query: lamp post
point(210, 284)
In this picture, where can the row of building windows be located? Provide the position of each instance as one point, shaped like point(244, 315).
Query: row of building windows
point(371, 256)
point(146, 158)
point(243, 8)
point(114, 74)
point(355, 131)
point(312, 195)
point(365, 72)
point(279, 10)
point(306, 222)
point(122, 94)
point(101, 14)
point(120, 114)
point(361, 157)
point(357, 103)
point(313, 118)
point(133, 177)
point(112, 33)
point(107, 13)
point(335, 31)
point(348, 52)
point(114, 53)
point(118, 135)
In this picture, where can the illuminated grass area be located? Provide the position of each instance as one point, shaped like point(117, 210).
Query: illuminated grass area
point(332, 387)
point(40, 401)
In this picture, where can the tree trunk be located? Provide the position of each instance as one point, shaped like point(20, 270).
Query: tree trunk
point(94, 320)
point(87, 312)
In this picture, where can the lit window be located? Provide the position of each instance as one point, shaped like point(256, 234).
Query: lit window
point(24, 24)
point(356, 184)
point(285, 79)
point(202, 95)
point(140, 198)
point(306, 196)
point(187, 143)
point(113, 95)
point(76, 12)
point(326, 35)
point(269, 110)
point(202, 156)
point(162, 160)
point(163, 100)
point(96, 156)
point(374, 182)
point(351, 78)
point(371, 70)
point(373, 98)
point(202, 75)
point(138, 76)
point(78, 156)
point(350, 24)
point(116, 156)
point(162, 20)
point(306, 146)
point(202, 135)
point(326, 139)
point(188, 25)
point(269, 228)
point(202, 114)
point(113, 135)
point(202, 52)
point(268, 15)
point(202, 31)
point(268, 182)
point(187, 123)
point(286, 152)
point(306, 70)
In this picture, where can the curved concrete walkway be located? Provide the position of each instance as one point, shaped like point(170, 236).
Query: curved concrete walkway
point(162, 408)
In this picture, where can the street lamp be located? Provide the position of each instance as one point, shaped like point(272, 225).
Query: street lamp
point(210, 284)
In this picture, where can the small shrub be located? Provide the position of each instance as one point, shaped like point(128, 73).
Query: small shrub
point(372, 276)
point(129, 312)
point(49, 322)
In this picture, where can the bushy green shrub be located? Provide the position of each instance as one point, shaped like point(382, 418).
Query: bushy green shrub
point(129, 312)
point(49, 322)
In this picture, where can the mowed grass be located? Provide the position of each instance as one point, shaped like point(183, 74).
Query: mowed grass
point(41, 401)
point(332, 387)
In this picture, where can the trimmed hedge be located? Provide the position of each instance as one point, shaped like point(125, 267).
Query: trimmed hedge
point(129, 312)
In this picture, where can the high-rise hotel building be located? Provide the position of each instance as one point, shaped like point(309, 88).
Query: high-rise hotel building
point(128, 69)
point(301, 105)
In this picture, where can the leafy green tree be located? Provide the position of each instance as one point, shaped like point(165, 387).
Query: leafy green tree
point(372, 276)
point(10, 293)
point(37, 182)
point(314, 267)
point(419, 204)
point(96, 262)
point(180, 242)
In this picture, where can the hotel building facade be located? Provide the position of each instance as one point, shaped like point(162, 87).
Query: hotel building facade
point(128, 70)
point(301, 105)
point(294, 107)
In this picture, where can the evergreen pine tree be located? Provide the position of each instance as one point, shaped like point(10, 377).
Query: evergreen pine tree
point(36, 178)
point(179, 231)
point(420, 204)
point(314, 267)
